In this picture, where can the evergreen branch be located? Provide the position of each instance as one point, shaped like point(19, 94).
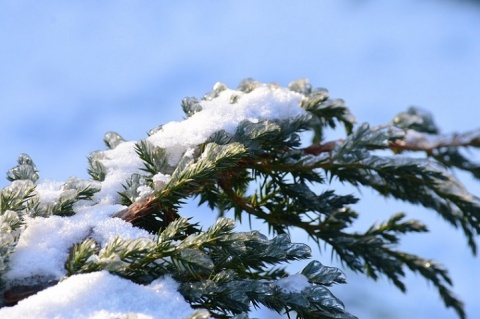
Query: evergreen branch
point(435, 274)
point(325, 112)
point(15, 197)
point(410, 179)
point(416, 119)
point(418, 184)
point(377, 258)
point(96, 169)
point(25, 170)
point(368, 252)
point(131, 193)
point(413, 141)
point(149, 212)
point(224, 285)
point(154, 158)
point(452, 157)
point(112, 139)
point(10, 229)
point(79, 256)
point(72, 191)
point(284, 205)
point(187, 179)
point(261, 169)
point(417, 141)
point(323, 275)
point(190, 106)
point(15, 200)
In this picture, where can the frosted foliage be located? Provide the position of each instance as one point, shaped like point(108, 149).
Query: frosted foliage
point(49, 191)
point(102, 295)
point(45, 244)
point(43, 247)
point(110, 228)
point(220, 114)
point(180, 138)
point(160, 179)
point(120, 163)
point(144, 191)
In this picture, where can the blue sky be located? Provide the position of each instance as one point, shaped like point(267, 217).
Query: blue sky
point(71, 71)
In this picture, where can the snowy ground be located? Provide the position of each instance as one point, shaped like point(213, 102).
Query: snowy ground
point(71, 72)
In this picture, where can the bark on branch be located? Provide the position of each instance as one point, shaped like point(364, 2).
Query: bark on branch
point(414, 141)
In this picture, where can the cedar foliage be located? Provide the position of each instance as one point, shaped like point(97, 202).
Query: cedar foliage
point(264, 171)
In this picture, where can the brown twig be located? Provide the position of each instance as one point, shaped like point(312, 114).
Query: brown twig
point(19, 292)
point(316, 149)
point(136, 211)
point(414, 141)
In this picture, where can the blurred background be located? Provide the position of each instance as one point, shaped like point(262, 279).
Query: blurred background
point(71, 71)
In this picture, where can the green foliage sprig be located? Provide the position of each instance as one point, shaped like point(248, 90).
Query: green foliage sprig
point(220, 270)
point(20, 200)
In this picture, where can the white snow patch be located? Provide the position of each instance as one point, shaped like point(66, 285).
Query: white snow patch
point(49, 191)
point(111, 228)
point(293, 283)
point(263, 103)
point(143, 191)
point(160, 179)
point(101, 295)
point(43, 247)
point(120, 163)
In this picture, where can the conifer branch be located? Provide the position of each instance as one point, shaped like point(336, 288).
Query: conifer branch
point(414, 141)
point(260, 169)
point(418, 141)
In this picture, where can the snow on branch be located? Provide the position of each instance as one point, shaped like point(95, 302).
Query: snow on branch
point(241, 152)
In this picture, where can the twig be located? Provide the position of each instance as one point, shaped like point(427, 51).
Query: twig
point(414, 141)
